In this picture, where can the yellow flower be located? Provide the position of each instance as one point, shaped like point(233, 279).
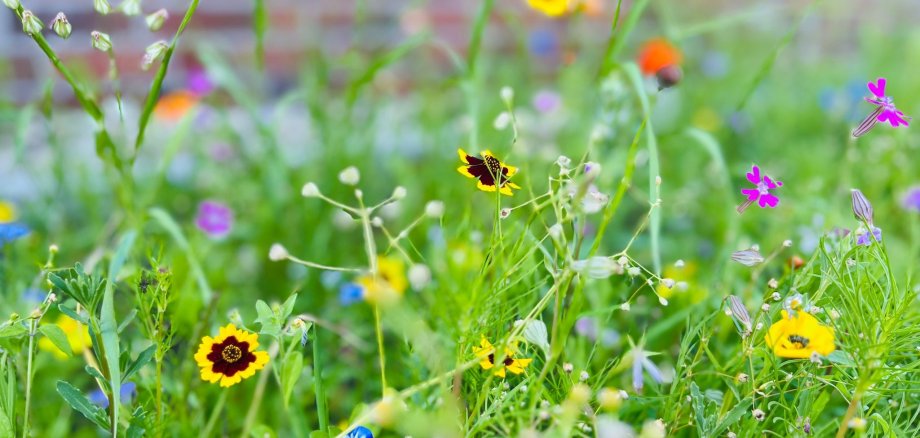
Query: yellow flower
point(486, 352)
point(230, 357)
point(552, 8)
point(390, 283)
point(7, 212)
point(799, 336)
point(77, 337)
point(486, 169)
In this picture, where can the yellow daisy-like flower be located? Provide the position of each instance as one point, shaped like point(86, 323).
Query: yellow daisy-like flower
point(391, 282)
point(230, 357)
point(7, 212)
point(486, 170)
point(552, 8)
point(798, 336)
point(77, 337)
point(486, 351)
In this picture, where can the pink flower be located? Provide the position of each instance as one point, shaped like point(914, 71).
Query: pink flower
point(761, 192)
point(885, 111)
point(214, 218)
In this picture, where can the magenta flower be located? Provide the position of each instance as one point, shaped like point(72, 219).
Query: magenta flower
point(885, 110)
point(760, 193)
point(214, 218)
point(911, 199)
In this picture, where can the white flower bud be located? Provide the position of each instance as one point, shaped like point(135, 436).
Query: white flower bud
point(623, 261)
point(102, 6)
point(787, 243)
point(633, 271)
point(131, 7)
point(101, 41)
point(434, 209)
point(662, 300)
point(568, 367)
point(679, 264)
point(758, 326)
point(504, 213)
point(776, 296)
point(507, 94)
point(625, 307)
point(419, 276)
point(61, 26)
point(597, 267)
point(555, 231)
point(748, 257)
point(592, 169)
point(759, 414)
point(377, 221)
point(765, 307)
point(309, 190)
point(12, 4)
point(350, 176)
point(502, 121)
point(155, 20)
point(399, 192)
point(658, 180)
point(154, 53)
point(52, 297)
point(277, 252)
point(563, 161)
point(30, 23)
point(742, 378)
point(583, 376)
point(53, 249)
point(667, 282)
point(773, 283)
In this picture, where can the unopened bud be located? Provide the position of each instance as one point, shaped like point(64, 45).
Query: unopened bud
point(507, 94)
point(30, 23)
point(502, 121)
point(862, 209)
point(350, 176)
point(658, 180)
point(399, 192)
point(53, 249)
point(102, 6)
point(131, 7)
point(748, 257)
point(568, 368)
point(61, 26)
point(504, 213)
point(434, 209)
point(309, 190)
point(155, 20)
point(101, 41)
point(154, 53)
point(277, 253)
point(377, 221)
point(12, 4)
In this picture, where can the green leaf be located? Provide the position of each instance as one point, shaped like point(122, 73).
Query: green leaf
point(93, 371)
point(108, 324)
point(13, 330)
point(128, 320)
point(290, 373)
point(818, 406)
point(262, 431)
point(6, 426)
point(73, 314)
point(698, 401)
point(81, 404)
point(166, 221)
point(270, 325)
point(136, 427)
point(288, 307)
point(57, 337)
point(139, 363)
point(732, 417)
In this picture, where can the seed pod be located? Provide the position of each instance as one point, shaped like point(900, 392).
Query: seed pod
point(862, 209)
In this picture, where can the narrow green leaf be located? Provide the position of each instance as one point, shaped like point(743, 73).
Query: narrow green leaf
point(81, 404)
point(57, 337)
point(73, 314)
point(109, 325)
point(166, 221)
point(142, 359)
point(6, 426)
point(288, 307)
point(136, 428)
point(290, 373)
point(732, 417)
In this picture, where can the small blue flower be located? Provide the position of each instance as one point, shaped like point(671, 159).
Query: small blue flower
point(360, 432)
point(544, 42)
point(350, 293)
point(642, 362)
point(33, 295)
point(128, 391)
point(862, 238)
point(12, 231)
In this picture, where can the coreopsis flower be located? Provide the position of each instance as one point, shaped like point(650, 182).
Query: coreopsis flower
point(798, 336)
point(230, 357)
point(761, 192)
point(174, 106)
point(661, 59)
point(552, 8)
point(390, 282)
point(486, 352)
point(487, 169)
point(885, 111)
point(77, 337)
point(214, 218)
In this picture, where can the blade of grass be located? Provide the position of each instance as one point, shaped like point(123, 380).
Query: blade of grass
point(382, 62)
point(166, 221)
point(109, 326)
point(618, 39)
point(259, 26)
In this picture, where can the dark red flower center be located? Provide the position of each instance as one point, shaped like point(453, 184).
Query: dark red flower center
point(487, 169)
point(508, 360)
point(230, 356)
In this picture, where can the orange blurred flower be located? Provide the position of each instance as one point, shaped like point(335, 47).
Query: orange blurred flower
point(175, 105)
point(657, 54)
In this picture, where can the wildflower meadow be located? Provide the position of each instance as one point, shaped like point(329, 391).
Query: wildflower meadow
point(479, 218)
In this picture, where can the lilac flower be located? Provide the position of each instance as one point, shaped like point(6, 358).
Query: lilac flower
point(350, 293)
point(128, 391)
point(760, 193)
point(199, 83)
point(862, 236)
point(642, 362)
point(360, 432)
point(543, 42)
point(885, 111)
point(911, 200)
point(586, 326)
point(546, 101)
point(214, 218)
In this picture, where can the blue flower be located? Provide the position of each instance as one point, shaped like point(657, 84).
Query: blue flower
point(360, 432)
point(128, 391)
point(350, 293)
point(544, 42)
point(862, 237)
point(642, 362)
point(33, 295)
point(12, 231)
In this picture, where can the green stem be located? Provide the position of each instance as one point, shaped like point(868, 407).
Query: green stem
point(212, 421)
point(370, 248)
point(318, 387)
point(260, 392)
point(31, 353)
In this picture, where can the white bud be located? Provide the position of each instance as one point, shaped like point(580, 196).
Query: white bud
point(759, 414)
point(101, 41)
point(776, 296)
point(758, 326)
point(154, 53)
point(623, 261)
point(419, 276)
point(377, 221)
point(102, 6)
point(504, 213)
point(592, 169)
point(131, 7)
point(773, 283)
point(359, 194)
point(507, 94)
point(399, 192)
point(30, 23)
point(583, 376)
point(787, 243)
point(502, 121)
point(277, 252)
point(309, 190)
point(563, 161)
point(765, 307)
point(658, 180)
point(568, 367)
point(679, 264)
point(633, 271)
point(61, 26)
point(834, 313)
point(625, 307)
point(155, 20)
point(555, 231)
point(53, 249)
point(662, 300)
point(434, 209)
point(52, 297)
point(350, 176)
point(667, 282)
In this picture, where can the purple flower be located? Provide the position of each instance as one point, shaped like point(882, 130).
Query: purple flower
point(587, 327)
point(350, 293)
point(885, 111)
point(543, 42)
point(214, 218)
point(761, 192)
point(128, 391)
point(862, 237)
point(199, 83)
point(546, 101)
point(360, 432)
point(911, 200)
point(642, 362)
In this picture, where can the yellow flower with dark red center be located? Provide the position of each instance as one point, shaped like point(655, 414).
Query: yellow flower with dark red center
point(553, 8)
point(77, 337)
point(487, 169)
point(230, 357)
point(390, 282)
point(486, 352)
point(799, 335)
point(176, 105)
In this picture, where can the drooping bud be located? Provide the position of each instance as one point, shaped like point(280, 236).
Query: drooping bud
point(102, 6)
point(277, 252)
point(748, 257)
point(399, 192)
point(862, 209)
point(30, 23)
point(507, 94)
point(597, 267)
point(61, 26)
point(131, 7)
point(101, 41)
point(155, 20)
point(154, 53)
point(739, 314)
point(309, 190)
point(434, 209)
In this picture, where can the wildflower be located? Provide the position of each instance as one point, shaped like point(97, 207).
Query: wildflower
point(911, 199)
point(739, 314)
point(797, 336)
point(658, 57)
point(547, 101)
point(609, 399)
point(862, 209)
point(128, 392)
point(350, 293)
point(583, 376)
point(77, 337)
point(597, 267)
point(640, 362)
point(154, 52)
point(101, 41)
point(214, 218)
point(199, 83)
point(486, 169)
point(773, 283)
point(863, 239)
point(759, 414)
point(761, 193)
point(277, 252)
point(885, 111)
point(748, 257)
point(155, 20)
point(9, 229)
point(61, 26)
point(350, 176)
point(176, 105)
point(674, 276)
point(552, 8)
point(360, 432)
point(741, 378)
point(486, 352)
point(230, 357)
point(857, 423)
point(389, 283)
point(568, 368)
point(815, 357)
point(30, 23)
point(534, 332)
